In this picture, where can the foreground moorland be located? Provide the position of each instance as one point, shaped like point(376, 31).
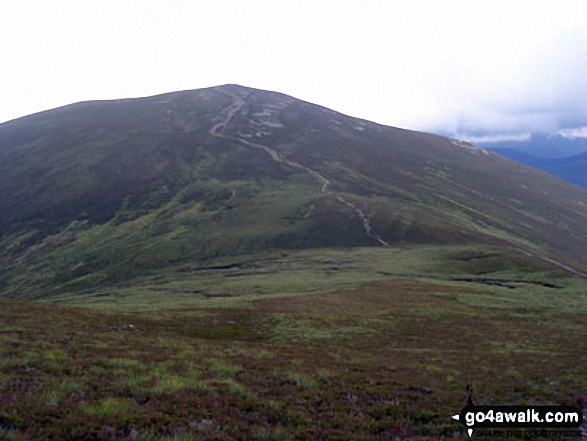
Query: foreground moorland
point(304, 345)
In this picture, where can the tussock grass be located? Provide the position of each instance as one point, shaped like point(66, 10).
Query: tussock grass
point(69, 386)
point(124, 363)
point(257, 277)
point(301, 380)
point(235, 388)
point(110, 408)
point(173, 383)
point(375, 360)
point(222, 368)
point(275, 434)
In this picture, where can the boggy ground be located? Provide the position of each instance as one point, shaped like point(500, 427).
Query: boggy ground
point(388, 360)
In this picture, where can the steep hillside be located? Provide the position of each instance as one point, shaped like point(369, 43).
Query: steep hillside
point(99, 193)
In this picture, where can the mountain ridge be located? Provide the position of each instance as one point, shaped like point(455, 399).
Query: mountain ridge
point(104, 191)
point(569, 168)
point(542, 145)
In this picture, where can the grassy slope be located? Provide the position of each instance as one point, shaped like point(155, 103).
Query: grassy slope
point(111, 201)
point(388, 359)
point(102, 193)
point(434, 185)
point(259, 310)
point(240, 281)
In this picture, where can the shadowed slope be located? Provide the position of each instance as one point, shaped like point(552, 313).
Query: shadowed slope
point(101, 192)
point(411, 180)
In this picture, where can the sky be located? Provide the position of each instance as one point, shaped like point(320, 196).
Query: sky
point(471, 68)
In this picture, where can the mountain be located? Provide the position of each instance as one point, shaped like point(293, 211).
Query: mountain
point(103, 192)
point(572, 169)
point(542, 145)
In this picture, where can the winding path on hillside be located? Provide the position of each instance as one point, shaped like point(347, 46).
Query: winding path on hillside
point(564, 266)
point(552, 262)
point(237, 104)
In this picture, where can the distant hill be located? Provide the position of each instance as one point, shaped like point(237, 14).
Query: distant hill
point(103, 192)
point(572, 169)
point(542, 145)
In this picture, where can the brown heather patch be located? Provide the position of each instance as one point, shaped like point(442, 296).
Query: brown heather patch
point(374, 297)
point(70, 373)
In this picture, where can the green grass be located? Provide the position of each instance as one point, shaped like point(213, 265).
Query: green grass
point(125, 204)
point(228, 294)
point(301, 380)
point(286, 328)
point(222, 368)
point(173, 383)
point(280, 367)
point(109, 408)
point(124, 363)
point(235, 388)
point(368, 342)
point(257, 277)
point(207, 215)
point(69, 386)
point(276, 434)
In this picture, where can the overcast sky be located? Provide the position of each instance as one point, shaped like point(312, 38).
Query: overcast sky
point(465, 67)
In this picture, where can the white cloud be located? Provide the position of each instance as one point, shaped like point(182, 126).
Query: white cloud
point(489, 139)
point(452, 65)
point(579, 132)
